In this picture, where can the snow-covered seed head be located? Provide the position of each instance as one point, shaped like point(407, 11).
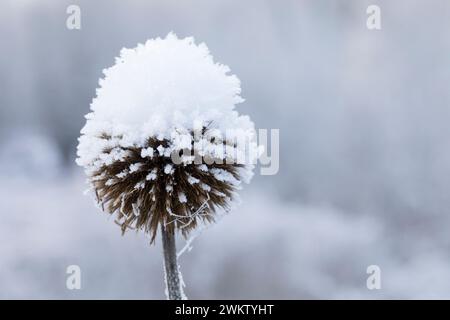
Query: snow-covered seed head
point(163, 99)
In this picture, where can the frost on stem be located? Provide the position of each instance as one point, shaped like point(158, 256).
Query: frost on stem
point(172, 275)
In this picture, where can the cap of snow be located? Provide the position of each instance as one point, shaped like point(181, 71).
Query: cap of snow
point(155, 89)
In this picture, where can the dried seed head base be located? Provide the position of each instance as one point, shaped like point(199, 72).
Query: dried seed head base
point(146, 191)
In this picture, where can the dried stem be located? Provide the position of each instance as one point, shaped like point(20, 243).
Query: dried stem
point(173, 283)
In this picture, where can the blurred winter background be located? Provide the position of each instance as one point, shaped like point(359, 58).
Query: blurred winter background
point(365, 150)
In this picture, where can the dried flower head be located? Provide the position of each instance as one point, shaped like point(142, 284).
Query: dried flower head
point(163, 144)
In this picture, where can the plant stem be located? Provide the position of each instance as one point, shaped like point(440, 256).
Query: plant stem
point(173, 283)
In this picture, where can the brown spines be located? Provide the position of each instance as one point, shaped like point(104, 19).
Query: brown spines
point(144, 204)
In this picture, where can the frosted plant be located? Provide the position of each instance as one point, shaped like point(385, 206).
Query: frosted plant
point(163, 146)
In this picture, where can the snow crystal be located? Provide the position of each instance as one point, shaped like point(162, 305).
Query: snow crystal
point(205, 187)
point(151, 175)
point(140, 185)
point(147, 152)
point(193, 180)
point(223, 175)
point(122, 174)
point(135, 167)
point(182, 197)
point(220, 194)
point(168, 169)
point(160, 150)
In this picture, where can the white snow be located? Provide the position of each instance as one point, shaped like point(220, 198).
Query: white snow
point(193, 180)
point(151, 175)
point(147, 152)
point(182, 197)
point(166, 88)
point(168, 169)
point(135, 167)
point(139, 185)
point(110, 182)
point(123, 174)
point(205, 187)
point(223, 175)
point(166, 82)
point(160, 150)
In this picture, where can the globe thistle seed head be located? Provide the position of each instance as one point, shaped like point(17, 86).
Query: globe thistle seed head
point(162, 101)
point(147, 189)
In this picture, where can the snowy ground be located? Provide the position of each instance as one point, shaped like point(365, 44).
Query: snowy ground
point(264, 249)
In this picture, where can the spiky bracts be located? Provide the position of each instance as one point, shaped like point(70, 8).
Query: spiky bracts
point(145, 188)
